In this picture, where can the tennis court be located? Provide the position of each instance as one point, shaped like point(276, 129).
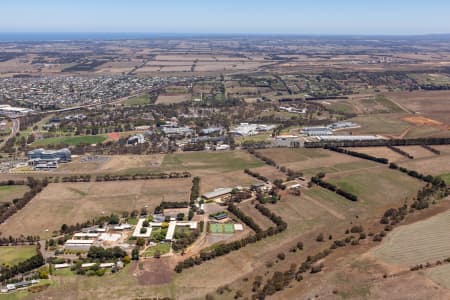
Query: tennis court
point(221, 228)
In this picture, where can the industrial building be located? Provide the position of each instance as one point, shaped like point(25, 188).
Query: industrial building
point(290, 141)
point(78, 245)
point(218, 195)
point(317, 131)
point(61, 155)
point(246, 129)
point(349, 138)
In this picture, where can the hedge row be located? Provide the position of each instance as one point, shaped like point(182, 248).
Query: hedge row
point(401, 152)
point(143, 176)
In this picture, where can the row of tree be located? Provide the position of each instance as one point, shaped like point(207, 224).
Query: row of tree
point(401, 152)
point(331, 187)
point(8, 272)
point(148, 176)
point(8, 209)
point(380, 160)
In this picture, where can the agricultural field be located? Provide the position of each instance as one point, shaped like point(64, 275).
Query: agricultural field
point(381, 124)
point(417, 243)
point(430, 104)
point(10, 255)
point(10, 192)
point(70, 203)
point(70, 140)
point(434, 165)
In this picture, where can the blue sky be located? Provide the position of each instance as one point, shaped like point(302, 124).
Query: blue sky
point(227, 16)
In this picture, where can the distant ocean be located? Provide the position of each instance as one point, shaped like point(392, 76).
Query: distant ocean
point(79, 36)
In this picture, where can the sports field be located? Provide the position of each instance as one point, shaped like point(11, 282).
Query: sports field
point(221, 228)
point(13, 255)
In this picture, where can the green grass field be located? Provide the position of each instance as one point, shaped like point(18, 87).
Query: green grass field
point(226, 161)
point(10, 192)
point(13, 255)
point(71, 140)
point(138, 100)
point(162, 248)
point(221, 228)
point(446, 178)
point(376, 186)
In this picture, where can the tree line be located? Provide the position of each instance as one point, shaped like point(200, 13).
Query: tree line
point(10, 208)
point(401, 152)
point(8, 272)
point(331, 187)
point(380, 160)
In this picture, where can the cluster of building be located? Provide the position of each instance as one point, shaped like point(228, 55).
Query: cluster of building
point(18, 285)
point(247, 129)
point(42, 159)
point(73, 90)
point(294, 110)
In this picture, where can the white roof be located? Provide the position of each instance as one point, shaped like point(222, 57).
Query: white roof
point(107, 265)
point(61, 266)
point(217, 192)
point(192, 224)
point(87, 265)
point(110, 237)
point(349, 137)
point(79, 242)
point(238, 227)
point(171, 230)
point(137, 230)
point(88, 235)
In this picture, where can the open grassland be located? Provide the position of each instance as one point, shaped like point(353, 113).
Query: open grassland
point(270, 172)
point(381, 186)
point(71, 140)
point(431, 104)
point(384, 124)
point(13, 255)
point(10, 192)
point(224, 161)
point(77, 202)
point(288, 155)
point(417, 243)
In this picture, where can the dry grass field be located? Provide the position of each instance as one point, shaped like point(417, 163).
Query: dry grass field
point(433, 164)
point(114, 164)
point(70, 203)
point(431, 104)
point(418, 243)
point(313, 161)
point(170, 99)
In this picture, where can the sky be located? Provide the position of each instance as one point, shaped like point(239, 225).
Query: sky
point(366, 17)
